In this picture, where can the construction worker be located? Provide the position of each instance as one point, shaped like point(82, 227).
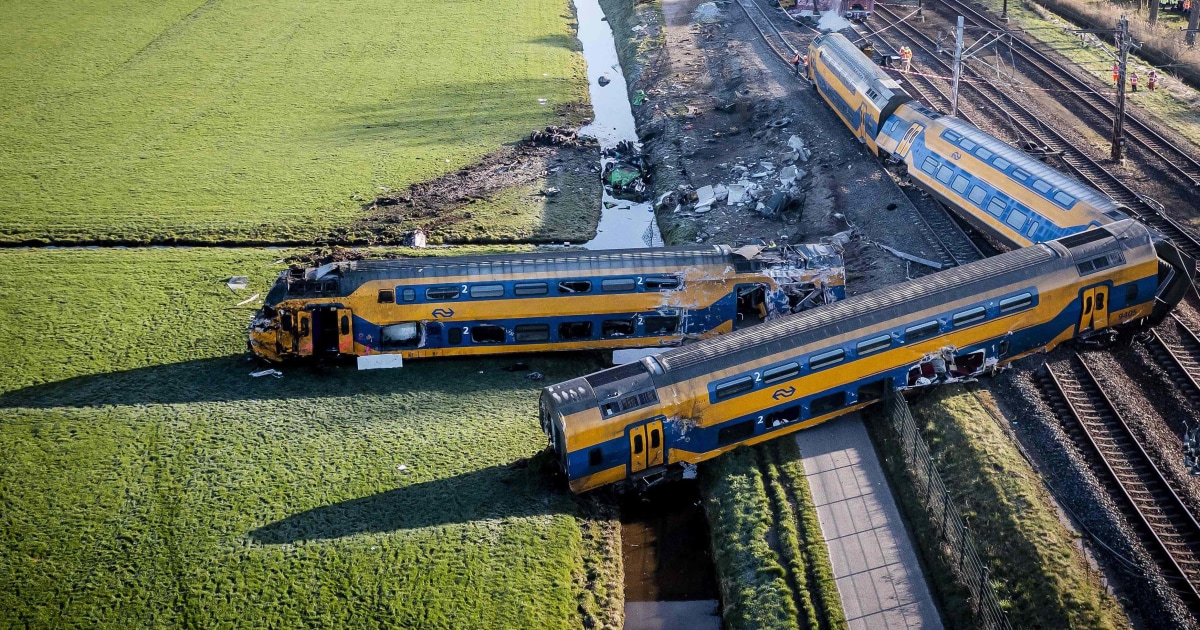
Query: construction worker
point(1133, 82)
point(1152, 80)
point(905, 58)
point(796, 63)
point(1116, 73)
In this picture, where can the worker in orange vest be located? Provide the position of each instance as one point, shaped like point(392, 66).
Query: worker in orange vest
point(1152, 81)
point(1116, 73)
point(905, 58)
point(1133, 81)
point(796, 63)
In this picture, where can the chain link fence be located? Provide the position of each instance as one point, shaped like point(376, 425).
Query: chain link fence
point(957, 548)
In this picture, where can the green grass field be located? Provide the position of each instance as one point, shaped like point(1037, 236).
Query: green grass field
point(138, 121)
point(147, 480)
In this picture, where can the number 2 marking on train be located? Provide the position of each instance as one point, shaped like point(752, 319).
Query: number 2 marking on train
point(757, 377)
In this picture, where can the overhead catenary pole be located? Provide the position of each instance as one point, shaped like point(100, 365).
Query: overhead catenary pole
point(1154, 11)
point(1122, 40)
point(958, 46)
point(1193, 23)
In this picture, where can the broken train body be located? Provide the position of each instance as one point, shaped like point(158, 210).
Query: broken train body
point(474, 305)
point(642, 422)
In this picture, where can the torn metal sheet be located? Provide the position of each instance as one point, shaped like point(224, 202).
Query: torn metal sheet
point(911, 258)
point(237, 283)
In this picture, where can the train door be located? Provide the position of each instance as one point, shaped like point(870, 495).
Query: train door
point(751, 305)
point(345, 338)
point(646, 445)
point(906, 142)
point(304, 333)
point(325, 330)
point(1094, 314)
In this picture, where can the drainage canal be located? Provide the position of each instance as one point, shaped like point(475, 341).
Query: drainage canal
point(670, 581)
point(623, 223)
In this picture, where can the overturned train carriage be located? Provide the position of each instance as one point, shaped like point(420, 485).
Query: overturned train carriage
point(471, 305)
point(642, 422)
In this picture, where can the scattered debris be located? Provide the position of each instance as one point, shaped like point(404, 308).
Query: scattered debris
point(603, 80)
point(559, 137)
point(248, 300)
point(535, 376)
point(689, 471)
point(910, 257)
point(267, 372)
point(639, 97)
point(237, 283)
point(707, 13)
point(402, 467)
point(415, 238)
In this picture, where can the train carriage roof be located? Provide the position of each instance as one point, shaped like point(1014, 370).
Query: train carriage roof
point(860, 312)
point(849, 57)
point(1057, 179)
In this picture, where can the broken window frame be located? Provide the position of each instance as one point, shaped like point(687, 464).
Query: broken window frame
point(489, 328)
point(828, 403)
point(734, 433)
point(569, 337)
point(662, 283)
point(387, 296)
point(608, 328)
point(443, 293)
point(670, 324)
point(574, 286)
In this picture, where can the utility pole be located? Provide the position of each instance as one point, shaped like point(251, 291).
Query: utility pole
point(1153, 10)
point(958, 46)
point(1122, 40)
point(1193, 23)
point(1004, 13)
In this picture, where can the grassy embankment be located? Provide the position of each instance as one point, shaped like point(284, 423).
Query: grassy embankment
point(1175, 103)
point(1039, 573)
point(147, 480)
point(136, 121)
point(772, 564)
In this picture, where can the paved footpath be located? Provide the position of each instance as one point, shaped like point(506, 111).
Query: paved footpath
point(878, 576)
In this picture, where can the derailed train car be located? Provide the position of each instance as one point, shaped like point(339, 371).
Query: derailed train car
point(474, 305)
point(642, 422)
point(1010, 197)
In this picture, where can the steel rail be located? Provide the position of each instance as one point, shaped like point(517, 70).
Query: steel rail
point(1173, 533)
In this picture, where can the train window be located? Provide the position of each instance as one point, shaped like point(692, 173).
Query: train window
point(734, 387)
point(826, 359)
point(1001, 163)
point(1042, 186)
point(874, 344)
point(1100, 262)
point(874, 390)
point(531, 288)
point(454, 335)
point(983, 154)
point(403, 335)
point(595, 457)
point(638, 444)
point(659, 283)
point(1131, 292)
point(997, 206)
point(1020, 174)
point(1033, 226)
point(408, 295)
point(783, 416)
point(331, 287)
point(312, 286)
point(969, 316)
point(968, 144)
point(1016, 219)
point(442, 293)
point(487, 291)
point(781, 373)
point(960, 184)
point(618, 284)
point(304, 327)
point(487, 333)
point(345, 325)
point(661, 325)
point(944, 174)
point(617, 328)
point(825, 404)
point(296, 288)
point(574, 286)
point(978, 194)
point(930, 165)
point(735, 433)
point(285, 322)
point(574, 330)
point(630, 402)
point(951, 136)
point(531, 332)
point(921, 331)
point(1008, 305)
point(1064, 199)
point(387, 296)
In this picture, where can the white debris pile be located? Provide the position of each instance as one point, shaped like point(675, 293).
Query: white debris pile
point(707, 13)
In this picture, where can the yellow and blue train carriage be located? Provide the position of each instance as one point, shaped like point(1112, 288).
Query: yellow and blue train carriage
point(642, 422)
point(1013, 198)
point(861, 94)
point(449, 306)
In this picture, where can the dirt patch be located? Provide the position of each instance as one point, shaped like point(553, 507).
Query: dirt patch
point(543, 189)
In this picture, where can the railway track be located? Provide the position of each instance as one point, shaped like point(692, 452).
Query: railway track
point(1181, 359)
point(1178, 158)
point(770, 33)
point(1014, 112)
point(1168, 530)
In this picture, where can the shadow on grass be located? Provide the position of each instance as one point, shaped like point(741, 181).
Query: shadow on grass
point(227, 379)
point(520, 490)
